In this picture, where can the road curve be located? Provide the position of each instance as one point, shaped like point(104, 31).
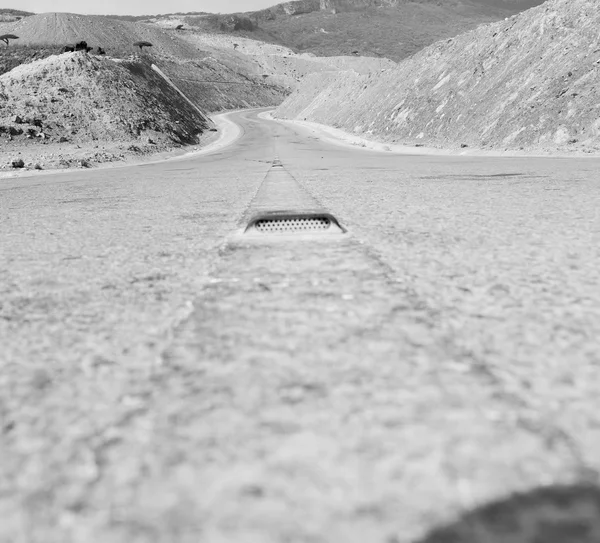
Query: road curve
point(165, 378)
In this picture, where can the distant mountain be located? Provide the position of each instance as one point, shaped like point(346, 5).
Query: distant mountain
point(301, 7)
point(390, 28)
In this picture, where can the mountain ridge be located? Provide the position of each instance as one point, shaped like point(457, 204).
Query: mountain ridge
point(395, 29)
point(301, 7)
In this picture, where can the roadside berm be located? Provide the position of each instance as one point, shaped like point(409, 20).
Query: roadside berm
point(530, 82)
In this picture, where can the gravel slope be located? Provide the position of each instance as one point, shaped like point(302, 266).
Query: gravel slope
point(529, 82)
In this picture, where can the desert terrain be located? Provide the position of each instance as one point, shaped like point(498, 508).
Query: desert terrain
point(61, 110)
point(425, 372)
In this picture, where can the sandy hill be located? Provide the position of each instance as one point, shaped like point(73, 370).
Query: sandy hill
point(394, 29)
point(113, 35)
point(531, 81)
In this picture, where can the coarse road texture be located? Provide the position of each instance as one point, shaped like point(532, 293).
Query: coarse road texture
point(165, 378)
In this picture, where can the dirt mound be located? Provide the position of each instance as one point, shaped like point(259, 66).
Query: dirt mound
point(531, 81)
point(78, 97)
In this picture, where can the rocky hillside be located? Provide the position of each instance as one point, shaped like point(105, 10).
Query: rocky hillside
point(82, 98)
point(529, 82)
point(394, 29)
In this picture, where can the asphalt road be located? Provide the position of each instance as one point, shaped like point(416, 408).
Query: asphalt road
point(165, 378)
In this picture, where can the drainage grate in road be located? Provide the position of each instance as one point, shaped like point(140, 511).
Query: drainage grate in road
point(299, 224)
point(309, 223)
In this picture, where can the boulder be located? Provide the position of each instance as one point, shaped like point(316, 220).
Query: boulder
point(18, 163)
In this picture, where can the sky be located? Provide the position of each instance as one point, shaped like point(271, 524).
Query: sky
point(137, 7)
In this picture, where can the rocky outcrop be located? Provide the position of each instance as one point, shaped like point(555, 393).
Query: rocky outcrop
point(531, 81)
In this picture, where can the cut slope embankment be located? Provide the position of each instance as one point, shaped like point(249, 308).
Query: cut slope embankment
point(75, 95)
point(529, 82)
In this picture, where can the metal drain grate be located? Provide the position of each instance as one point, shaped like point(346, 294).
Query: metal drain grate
point(282, 223)
point(296, 224)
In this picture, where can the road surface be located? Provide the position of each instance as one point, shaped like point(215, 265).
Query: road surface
point(166, 378)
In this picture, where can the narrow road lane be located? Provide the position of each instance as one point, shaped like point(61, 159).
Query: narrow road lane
point(165, 378)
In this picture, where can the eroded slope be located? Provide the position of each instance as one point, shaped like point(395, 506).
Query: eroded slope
point(529, 82)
